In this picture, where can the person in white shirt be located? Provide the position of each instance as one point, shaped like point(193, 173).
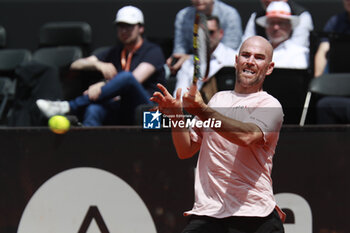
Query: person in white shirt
point(221, 56)
point(301, 32)
point(279, 24)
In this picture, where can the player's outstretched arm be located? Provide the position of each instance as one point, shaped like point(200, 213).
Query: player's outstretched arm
point(238, 132)
point(241, 133)
point(172, 107)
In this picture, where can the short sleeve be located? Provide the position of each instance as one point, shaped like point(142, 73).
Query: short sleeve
point(155, 57)
point(268, 118)
point(102, 56)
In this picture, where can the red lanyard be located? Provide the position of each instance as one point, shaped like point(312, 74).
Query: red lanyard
point(127, 62)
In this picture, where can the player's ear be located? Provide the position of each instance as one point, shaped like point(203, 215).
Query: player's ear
point(270, 68)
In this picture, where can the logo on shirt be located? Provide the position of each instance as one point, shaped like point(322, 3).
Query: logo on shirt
point(152, 120)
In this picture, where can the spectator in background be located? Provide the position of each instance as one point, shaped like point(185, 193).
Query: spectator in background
point(339, 23)
point(279, 24)
point(221, 56)
point(333, 110)
point(131, 71)
point(300, 33)
point(230, 23)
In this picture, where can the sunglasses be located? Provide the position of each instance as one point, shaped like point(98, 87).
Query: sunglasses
point(211, 32)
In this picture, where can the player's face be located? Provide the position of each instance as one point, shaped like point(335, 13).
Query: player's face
point(202, 5)
point(215, 34)
point(129, 33)
point(278, 29)
point(253, 63)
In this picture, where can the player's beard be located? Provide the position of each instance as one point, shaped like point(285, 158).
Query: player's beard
point(248, 81)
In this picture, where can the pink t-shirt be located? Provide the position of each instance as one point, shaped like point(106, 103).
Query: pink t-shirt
point(233, 180)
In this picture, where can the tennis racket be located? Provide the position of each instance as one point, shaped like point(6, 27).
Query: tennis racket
point(201, 48)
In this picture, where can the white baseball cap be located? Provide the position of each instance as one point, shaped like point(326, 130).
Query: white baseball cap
point(130, 15)
point(278, 9)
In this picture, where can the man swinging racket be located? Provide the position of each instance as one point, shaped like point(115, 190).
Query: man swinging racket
point(233, 186)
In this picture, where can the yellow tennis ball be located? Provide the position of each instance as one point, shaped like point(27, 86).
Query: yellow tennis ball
point(59, 124)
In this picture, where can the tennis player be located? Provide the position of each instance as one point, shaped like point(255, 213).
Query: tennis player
point(233, 186)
